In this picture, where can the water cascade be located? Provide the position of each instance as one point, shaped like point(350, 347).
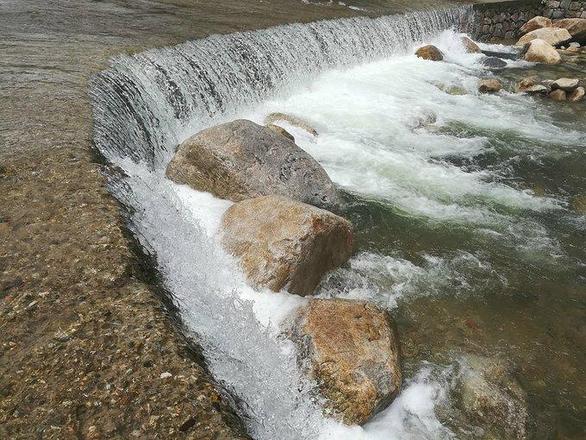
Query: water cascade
point(146, 104)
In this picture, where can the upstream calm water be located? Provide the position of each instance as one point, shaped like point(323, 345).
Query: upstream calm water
point(469, 212)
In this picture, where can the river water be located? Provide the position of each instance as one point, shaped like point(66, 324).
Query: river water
point(468, 209)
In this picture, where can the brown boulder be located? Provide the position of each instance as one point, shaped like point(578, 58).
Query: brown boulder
point(353, 353)
point(489, 85)
point(558, 95)
point(429, 52)
point(241, 160)
point(471, 46)
point(576, 95)
point(282, 243)
point(527, 82)
point(553, 36)
point(539, 51)
point(575, 26)
point(536, 23)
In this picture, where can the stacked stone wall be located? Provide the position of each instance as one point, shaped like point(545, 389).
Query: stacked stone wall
point(502, 21)
point(564, 9)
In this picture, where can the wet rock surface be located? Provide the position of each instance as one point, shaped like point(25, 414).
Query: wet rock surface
point(540, 51)
point(489, 85)
point(490, 396)
point(285, 244)
point(429, 52)
point(351, 349)
point(240, 160)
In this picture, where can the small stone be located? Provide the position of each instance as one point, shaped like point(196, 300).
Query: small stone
point(558, 95)
point(566, 84)
point(281, 131)
point(489, 85)
point(429, 52)
point(471, 46)
point(577, 95)
point(165, 375)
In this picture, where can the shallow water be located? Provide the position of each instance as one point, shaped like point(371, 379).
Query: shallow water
point(467, 227)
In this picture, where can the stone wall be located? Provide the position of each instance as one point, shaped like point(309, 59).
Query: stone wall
point(501, 21)
point(564, 9)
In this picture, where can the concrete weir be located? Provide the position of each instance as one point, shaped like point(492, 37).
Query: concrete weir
point(90, 346)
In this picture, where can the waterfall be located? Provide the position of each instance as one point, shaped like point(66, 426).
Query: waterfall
point(145, 104)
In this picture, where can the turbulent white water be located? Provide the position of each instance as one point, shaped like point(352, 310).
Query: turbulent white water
point(370, 142)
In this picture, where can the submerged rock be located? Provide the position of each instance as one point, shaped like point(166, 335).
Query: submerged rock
point(577, 95)
point(489, 396)
point(575, 26)
point(537, 89)
point(540, 51)
point(527, 82)
point(281, 131)
point(566, 84)
point(351, 349)
point(471, 46)
point(558, 95)
point(293, 120)
point(536, 23)
point(489, 85)
point(241, 160)
point(551, 35)
point(493, 63)
point(429, 52)
point(282, 243)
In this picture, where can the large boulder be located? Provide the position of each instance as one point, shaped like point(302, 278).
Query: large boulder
point(282, 243)
point(552, 35)
point(240, 160)
point(489, 85)
point(575, 26)
point(490, 397)
point(536, 23)
point(539, 51)
point(351, 349)
point(429, 52)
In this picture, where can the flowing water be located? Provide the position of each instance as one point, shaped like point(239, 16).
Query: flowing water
point(468, 209)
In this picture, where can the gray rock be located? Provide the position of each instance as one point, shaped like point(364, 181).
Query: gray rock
point(240, 160)
point(566, 84)
point(493, 63)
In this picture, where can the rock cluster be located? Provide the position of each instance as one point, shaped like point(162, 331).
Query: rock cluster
point(562, 89)
point(283, 240)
